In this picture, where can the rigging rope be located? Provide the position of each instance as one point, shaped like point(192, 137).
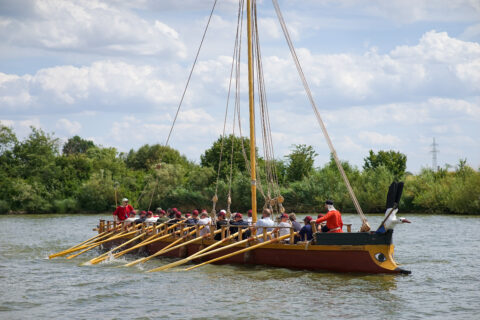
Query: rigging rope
point(235, 59)
point(365, 225)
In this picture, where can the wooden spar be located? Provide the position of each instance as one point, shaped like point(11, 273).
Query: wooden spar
point(251, 103)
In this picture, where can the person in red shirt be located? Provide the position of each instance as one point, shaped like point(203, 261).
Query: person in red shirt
point(123, 211)
point(333, 218)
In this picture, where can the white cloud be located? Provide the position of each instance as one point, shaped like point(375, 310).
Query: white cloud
point(105, 82)
point(93, 26)
point(376, 138)
point(71, 127)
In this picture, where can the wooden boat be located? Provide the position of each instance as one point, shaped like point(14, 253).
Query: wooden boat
point(364, 252)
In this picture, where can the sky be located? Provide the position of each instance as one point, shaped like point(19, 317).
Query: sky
point(385, 75)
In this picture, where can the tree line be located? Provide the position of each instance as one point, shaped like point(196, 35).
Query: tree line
point(39, 175)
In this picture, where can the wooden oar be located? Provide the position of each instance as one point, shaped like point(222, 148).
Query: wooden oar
point(106, 254)
point(96, 244)
point(144, 242)
point(241, 251)
point(95, 238)
point(202, 253)
point(165, 250)
point(145, 259)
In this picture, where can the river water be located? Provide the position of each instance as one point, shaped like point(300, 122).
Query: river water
point(441, 251)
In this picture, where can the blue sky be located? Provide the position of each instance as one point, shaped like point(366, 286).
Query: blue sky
point(386, 75)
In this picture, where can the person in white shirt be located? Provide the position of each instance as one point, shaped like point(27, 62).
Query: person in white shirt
point(206, 221)
point(284, 225)
point(131, 218)
point(150, 218)
point(266, 221)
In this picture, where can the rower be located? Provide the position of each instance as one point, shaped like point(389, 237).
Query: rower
point(150, 218)
point(266, 221)
point(206, 221)
point(221, 221)
point(283, 226)
point(193, 219)
point(333, 218)
point(306, 233)
point(238, 221)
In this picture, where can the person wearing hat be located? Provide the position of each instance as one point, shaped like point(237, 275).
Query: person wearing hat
point(162, 217)
point(238, 221)
point(150, 218)
point(122, 212)
point(266, 221)
point(283, 226)
point(205, 221)
point(333, 218)
point(142, 218)
point(131, 218)
point(221, 221)
point(306, 233)
point(194, 218)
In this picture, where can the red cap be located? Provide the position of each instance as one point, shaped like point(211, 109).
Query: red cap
point(195, 212)
point(284, 215)
point(249, 212)
point(204, 211)
point(178, 214)
point(221, 213)
point(320, 215)
point(187, 215)
point(174, 210)
point(163, 211)
point(150, 212)
point(238, 215)
point(307, 219)
point(143, 212)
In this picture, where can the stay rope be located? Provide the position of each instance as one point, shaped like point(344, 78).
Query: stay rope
point(365, 226)
point(235, 59)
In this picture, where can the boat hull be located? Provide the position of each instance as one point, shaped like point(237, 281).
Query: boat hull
point(315, 257)
point(340, 252)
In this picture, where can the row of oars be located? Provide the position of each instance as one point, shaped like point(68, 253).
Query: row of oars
point(110, 235)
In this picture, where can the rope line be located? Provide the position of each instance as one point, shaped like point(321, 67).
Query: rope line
point(365, 226)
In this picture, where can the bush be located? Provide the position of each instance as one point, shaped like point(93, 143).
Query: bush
point(65, 206)
point(4, 207)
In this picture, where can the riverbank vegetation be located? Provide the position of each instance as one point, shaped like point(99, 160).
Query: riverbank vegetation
point(39, 175)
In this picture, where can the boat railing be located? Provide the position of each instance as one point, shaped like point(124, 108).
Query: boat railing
point(184, 229)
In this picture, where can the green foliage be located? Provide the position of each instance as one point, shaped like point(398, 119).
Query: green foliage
point(8, 139)
point(68, 205)
point(35, 178)
point(394, 161)
point(300, 162)
point(76, 145)
point(211, 157)
point(148, 156)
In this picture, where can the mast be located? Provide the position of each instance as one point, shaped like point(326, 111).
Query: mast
point(252, 113)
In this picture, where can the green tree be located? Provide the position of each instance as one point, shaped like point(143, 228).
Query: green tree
point(300, 162)
point(77, 145)
point(394, 161)
point(8, 139)
point(147, 156)
point(211, 157)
